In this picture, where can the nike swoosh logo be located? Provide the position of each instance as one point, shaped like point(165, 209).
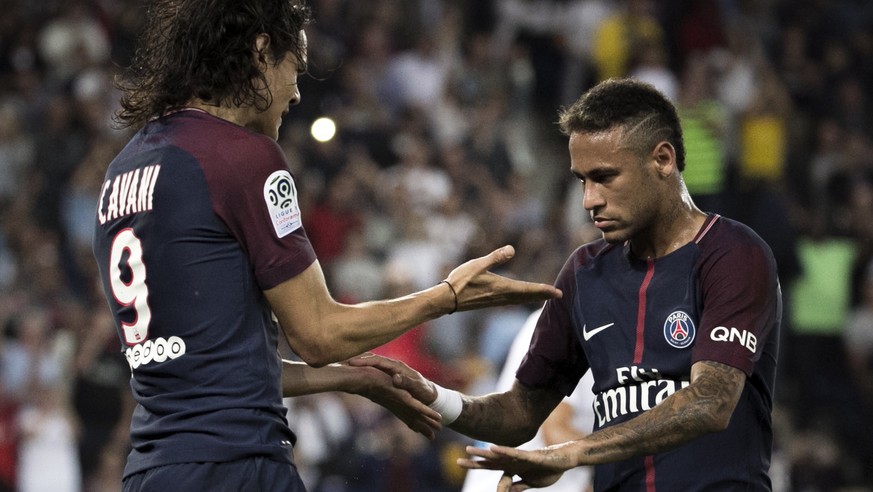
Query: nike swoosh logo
point(588, 334)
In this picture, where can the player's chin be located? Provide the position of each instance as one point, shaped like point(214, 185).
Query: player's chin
point(273, 131)
point(266, 129)
point(614, 235)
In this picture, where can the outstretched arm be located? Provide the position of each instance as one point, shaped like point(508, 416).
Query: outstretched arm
point(321, 330)
point(704, 406)
point(512, 417)
point(299, 379)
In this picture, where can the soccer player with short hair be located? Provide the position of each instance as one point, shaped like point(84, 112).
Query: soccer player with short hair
point(675, 311)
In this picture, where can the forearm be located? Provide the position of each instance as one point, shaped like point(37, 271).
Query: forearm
point(491, 422)
point(345, 331)
point(299, 379)
point(321, 330)
point(703, 407)
point(510, 418)
point(664, 427)
point(362, 327)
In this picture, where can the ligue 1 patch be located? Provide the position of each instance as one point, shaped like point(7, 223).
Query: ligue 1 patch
point(281, 197)
point(679, 329)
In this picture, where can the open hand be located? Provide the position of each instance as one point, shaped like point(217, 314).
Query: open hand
point(536, 468)
point(476, 287)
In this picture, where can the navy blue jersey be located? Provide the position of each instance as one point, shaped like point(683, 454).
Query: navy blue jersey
point(640, 325)
point(197, 216)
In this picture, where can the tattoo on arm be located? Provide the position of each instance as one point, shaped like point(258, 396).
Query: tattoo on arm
point(509, 418)
point(702, 407)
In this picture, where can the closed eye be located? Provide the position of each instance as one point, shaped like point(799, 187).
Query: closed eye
point(602, 176)
point(597, 176)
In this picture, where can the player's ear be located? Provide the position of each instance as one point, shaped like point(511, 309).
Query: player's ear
point(261, 50)
point(664, 156)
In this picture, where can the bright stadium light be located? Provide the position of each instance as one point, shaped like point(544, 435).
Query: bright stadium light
point(323, 129)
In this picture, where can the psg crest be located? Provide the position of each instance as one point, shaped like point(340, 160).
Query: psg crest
point(679, 329)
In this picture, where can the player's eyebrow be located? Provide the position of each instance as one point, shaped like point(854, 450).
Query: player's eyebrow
point(601, 173)
point(596, 174)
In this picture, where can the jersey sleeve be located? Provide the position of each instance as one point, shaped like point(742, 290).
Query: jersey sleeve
point(555, 357)
point(255, 194)
point(740, 298)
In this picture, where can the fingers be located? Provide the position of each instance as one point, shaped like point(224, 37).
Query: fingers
point(480, 452)
point(419, 417)
point(390, 367)
point(372, 360)
point(412, 412)
point(476, 287)
point(469, 464)
point(501, 255)
point(459, 277)
point(489, 290)
point(541, 292)
point(402, 376)
point(421, 389)
point(505, 483)
point(497, 257)
point(527, 465)
point(493, 457)
point(423, 424)
point(506, 452)
point(426, 412)
point(422, 428)
point(477, 464)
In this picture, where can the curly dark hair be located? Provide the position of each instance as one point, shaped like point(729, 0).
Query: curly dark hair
point(646, 115)
point(203, 49)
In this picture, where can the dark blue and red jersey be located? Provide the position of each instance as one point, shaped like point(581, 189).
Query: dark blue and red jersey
point(197, 216)
point(641, 324)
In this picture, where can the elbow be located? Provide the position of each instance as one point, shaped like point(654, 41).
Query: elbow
point(315, 361)
point(313, 354)
point(721, 421)
point(717, 420)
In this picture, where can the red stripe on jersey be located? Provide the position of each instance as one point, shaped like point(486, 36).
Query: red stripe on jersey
point(650, 473)
point(707, 225)
point(641, 312)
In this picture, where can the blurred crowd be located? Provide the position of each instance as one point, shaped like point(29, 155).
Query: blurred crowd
point(447, 147)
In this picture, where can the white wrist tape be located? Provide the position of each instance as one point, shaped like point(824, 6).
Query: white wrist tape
point(448, 404)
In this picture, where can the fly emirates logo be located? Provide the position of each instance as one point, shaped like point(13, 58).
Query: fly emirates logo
point(639, 390)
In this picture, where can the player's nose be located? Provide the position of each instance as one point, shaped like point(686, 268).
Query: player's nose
point(592, 198)
point(295, 97)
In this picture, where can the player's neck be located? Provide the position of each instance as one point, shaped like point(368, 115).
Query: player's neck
point(674, 228)
point(234, 114)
